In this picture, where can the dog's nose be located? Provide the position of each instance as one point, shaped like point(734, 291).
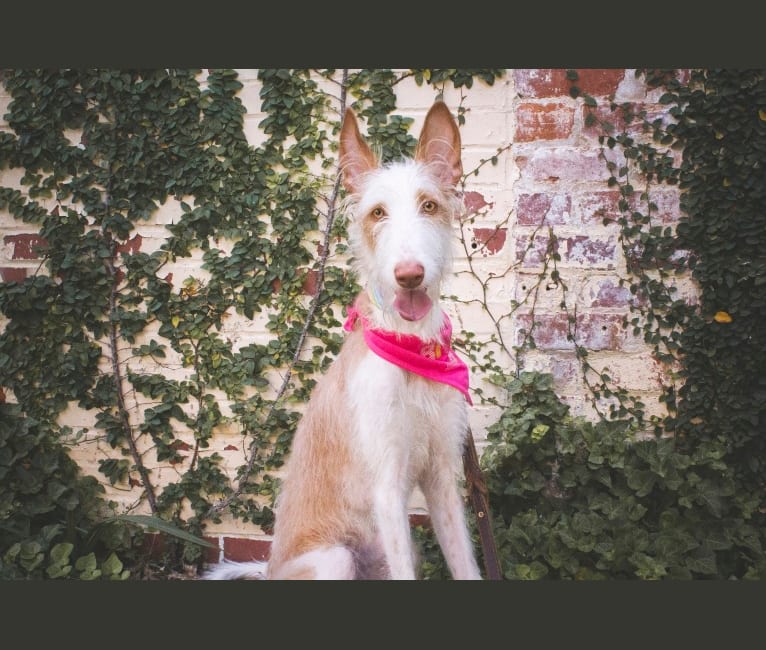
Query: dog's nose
point(409, 275)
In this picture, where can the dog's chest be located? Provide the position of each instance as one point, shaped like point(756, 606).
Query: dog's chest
point(396, 412)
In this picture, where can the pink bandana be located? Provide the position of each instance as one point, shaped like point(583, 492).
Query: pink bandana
point(429, 359)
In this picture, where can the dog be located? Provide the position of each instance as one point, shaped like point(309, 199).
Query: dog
point(390, 414)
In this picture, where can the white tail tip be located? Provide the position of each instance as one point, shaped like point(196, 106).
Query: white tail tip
point(236, 571)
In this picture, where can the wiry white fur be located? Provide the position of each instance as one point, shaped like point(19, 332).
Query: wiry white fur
point(402, 236)
point(228, 570)
point(372, 432)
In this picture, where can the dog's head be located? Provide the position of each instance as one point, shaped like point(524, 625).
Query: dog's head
point(401, 219)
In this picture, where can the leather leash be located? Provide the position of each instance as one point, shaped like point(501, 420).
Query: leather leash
point(479, 496)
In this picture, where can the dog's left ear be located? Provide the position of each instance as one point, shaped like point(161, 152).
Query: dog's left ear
point(439, 144)
point(356, 157)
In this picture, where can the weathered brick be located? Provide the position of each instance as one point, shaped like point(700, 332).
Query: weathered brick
point(590, 251)
point(592, 331)
point(532, 253)
point(566, 369)
point(622, 121)
point(666, 208)
point(562, 164)
point(577, 250)
point(552, 82)
point(550, 331)
point(547, 294)
point(543, 122)
point(543, 207)
point(633, 372)
point(594, 207)
point(606, 292)
point(485, 128)
point(26, 245)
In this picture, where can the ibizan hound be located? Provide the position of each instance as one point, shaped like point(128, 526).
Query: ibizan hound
point(391, 412)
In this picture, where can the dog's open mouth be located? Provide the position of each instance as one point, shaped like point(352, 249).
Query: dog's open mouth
point(412, 304)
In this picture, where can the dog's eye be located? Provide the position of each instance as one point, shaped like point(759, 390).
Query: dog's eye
point(377, 213)
point(429, 207)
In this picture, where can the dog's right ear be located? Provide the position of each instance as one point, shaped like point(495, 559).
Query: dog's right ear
point(356, 157)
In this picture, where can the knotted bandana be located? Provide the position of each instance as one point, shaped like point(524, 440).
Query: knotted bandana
point(430, 359)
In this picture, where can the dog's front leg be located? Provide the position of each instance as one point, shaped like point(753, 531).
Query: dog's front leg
point(440, 483)
point(382, 430)
point(447, 511)
point(390, 511)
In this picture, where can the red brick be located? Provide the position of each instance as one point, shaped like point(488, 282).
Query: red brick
point(25, 245)
point(543, 122)
point(211, 555)
point(552, 82)
point(489, 241)
point(241, 549)
point(552, 209)
point(420, 520)
point(311, 283)
point(13, 274)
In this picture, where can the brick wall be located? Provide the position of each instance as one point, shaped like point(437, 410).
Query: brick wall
point(550, 173)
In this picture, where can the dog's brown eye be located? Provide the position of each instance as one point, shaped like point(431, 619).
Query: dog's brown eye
point(377, 213)
point(429, 207)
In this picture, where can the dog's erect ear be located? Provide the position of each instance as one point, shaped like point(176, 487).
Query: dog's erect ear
point(439, 144)
point(356, 158)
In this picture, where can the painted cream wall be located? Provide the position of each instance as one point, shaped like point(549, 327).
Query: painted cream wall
point(549, 172)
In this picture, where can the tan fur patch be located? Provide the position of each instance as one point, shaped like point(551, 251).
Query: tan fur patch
point(442, 212)
point(315, 506)
point(369, 223)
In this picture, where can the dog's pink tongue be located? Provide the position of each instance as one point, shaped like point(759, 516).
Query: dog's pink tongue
point(412, 304)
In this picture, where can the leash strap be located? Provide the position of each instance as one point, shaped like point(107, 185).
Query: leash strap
point(479, 496)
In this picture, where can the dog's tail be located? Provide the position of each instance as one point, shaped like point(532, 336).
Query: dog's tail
point(237, 571)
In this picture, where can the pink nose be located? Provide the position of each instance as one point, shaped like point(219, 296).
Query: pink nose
point(409, 275)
